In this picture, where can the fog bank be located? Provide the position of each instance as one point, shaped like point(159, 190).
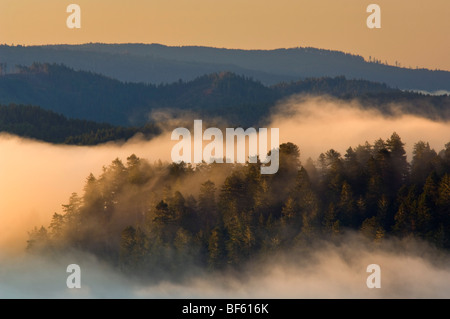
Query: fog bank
point(409, 269)
point(37, 178)
point(318, 124)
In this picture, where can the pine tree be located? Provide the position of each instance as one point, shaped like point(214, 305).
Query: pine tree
point(216, 249)
point(72, 219)
point(38, 240)
point(208, 213)
point(372, 229)
point(406, 216)
point(426, 207)
point(444, 206)
point(347, 207)
point(400, 166)
point(56, 227)
point(127, 247)
point(165, 222)
point(423, 162)
point(184, 249)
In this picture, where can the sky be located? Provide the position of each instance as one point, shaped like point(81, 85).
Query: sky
point(415, 33)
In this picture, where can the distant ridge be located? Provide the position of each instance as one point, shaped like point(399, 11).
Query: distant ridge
point(235, 98)
point(156, 63)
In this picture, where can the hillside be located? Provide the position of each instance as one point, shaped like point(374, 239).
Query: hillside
point(238, 99)
point(155, 63)
point(84, 95)
point(34, 122)
point(157, 220)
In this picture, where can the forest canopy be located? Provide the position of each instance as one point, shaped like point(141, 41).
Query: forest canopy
point(144, 217)
point(37, 123)
point(235, 98)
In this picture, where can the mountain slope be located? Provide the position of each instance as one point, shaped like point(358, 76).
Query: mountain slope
point(34, 122)
point(156, 64)
point(237, 99)
point(84, 95)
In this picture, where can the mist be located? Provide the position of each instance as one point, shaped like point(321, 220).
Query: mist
point(436, 93)
point(37, 178)
point(317, 124)
point(409, 269)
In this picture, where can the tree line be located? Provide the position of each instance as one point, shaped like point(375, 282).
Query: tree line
point(144, 217)
point(235, 98)
point(37, 123)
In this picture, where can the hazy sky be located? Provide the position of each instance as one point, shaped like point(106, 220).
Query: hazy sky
point(413, 32)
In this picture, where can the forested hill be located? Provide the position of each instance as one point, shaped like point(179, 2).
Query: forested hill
point(152, 220)
point(34, 122)
point(154, 63)
point(238, 99)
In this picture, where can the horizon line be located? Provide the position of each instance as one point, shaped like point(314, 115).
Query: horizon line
point(223, 48)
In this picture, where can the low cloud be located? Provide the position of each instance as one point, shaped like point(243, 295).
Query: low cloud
point(319, 124)
point(37, 177)
point(409, 269)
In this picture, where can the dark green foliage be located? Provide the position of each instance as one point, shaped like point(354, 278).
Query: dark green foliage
point(142, 217)
point(34, 122)
point(338, 86)
point(238, 99)
point(85, 95)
